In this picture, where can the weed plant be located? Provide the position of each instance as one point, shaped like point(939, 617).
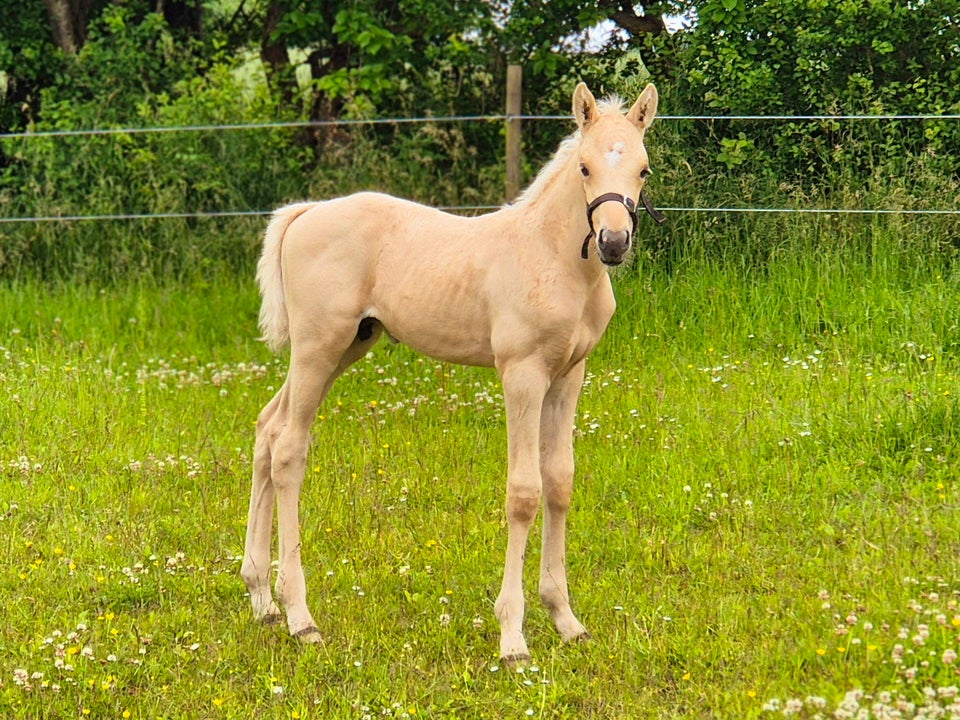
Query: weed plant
point(764, 525)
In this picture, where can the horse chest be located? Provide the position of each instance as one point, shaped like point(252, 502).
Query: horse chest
point(569, 331)
point(597, 314)
point(583, 341)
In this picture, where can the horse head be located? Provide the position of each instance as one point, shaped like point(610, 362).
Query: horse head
point(614, 165)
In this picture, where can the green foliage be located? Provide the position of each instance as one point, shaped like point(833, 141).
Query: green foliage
point(810, 57)
point(28, 61)
point(152, 173)
point(370, 59)
point(377, 49)
point(734, 152)
point(124, 60)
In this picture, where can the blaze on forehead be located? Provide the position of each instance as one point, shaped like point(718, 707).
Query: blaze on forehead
point(615, 153)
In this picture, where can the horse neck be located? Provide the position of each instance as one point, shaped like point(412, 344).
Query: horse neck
point(559, 212)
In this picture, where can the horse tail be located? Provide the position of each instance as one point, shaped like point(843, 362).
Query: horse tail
point(274, 323)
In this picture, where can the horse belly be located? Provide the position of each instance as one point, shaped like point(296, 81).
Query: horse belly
point(438, 317)
point(450, 344)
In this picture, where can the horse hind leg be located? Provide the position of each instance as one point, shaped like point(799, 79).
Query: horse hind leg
point(314, 367)
point(255, 570)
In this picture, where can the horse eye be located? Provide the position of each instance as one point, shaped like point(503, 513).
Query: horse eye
point(584, 170)
point(645, 173)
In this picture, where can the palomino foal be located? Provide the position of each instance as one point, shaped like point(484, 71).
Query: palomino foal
point(524, 289)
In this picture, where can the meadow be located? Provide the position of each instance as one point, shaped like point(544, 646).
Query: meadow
point(765, 519)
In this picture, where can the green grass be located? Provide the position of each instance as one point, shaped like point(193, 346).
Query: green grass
point(767, 498)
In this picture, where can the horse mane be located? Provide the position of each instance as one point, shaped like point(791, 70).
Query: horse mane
point(568, 147)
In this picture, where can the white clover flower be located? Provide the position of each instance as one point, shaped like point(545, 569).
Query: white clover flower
point(793, 706)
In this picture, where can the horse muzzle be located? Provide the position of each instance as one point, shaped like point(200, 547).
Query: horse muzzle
point(613, 246)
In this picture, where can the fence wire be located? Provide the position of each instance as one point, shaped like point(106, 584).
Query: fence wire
point(29, 135)
point(460, 209)
point(438, 119)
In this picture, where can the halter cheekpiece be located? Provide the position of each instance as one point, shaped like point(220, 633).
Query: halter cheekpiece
point(631, 207)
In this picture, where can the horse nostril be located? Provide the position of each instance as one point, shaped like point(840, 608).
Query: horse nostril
point(613, 246)
point(614, 238)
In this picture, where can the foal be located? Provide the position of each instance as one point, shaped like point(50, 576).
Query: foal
point(523, 289)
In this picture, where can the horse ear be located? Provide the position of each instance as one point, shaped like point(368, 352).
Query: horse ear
point(645, 108)
point(584, 106)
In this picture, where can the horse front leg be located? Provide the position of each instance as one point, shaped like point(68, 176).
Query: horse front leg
point(524, 387)
point(556, 468)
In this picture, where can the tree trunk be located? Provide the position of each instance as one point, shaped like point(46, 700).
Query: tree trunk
point(624, 15)
point(276, 59)
point(68, 23)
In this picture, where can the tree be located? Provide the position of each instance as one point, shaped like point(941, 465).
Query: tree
point(801, 57)
point(41, 43)
point(367, 55)
point(68, 22)
point(649, 21)
point(808, 56)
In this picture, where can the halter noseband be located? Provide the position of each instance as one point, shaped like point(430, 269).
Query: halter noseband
point(631, 207)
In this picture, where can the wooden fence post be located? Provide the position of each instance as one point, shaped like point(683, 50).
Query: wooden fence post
point(514, 96)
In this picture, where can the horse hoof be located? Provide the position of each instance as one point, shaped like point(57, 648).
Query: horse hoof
point(271, 619)
point(308, 635)
point(577, 636)
point(516, 659)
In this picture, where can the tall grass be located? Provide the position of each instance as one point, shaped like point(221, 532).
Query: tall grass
point(765, 516)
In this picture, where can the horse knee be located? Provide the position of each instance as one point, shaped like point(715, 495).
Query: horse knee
point(522, 505)
point(559, 497)
point(558, 486)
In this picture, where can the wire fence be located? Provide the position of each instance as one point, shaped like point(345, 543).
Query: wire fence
point(437, 119)
point(93, 132)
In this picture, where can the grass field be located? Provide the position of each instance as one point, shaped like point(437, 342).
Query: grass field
point(766, 520)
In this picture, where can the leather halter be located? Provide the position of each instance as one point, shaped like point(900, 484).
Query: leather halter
point(631, 207)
